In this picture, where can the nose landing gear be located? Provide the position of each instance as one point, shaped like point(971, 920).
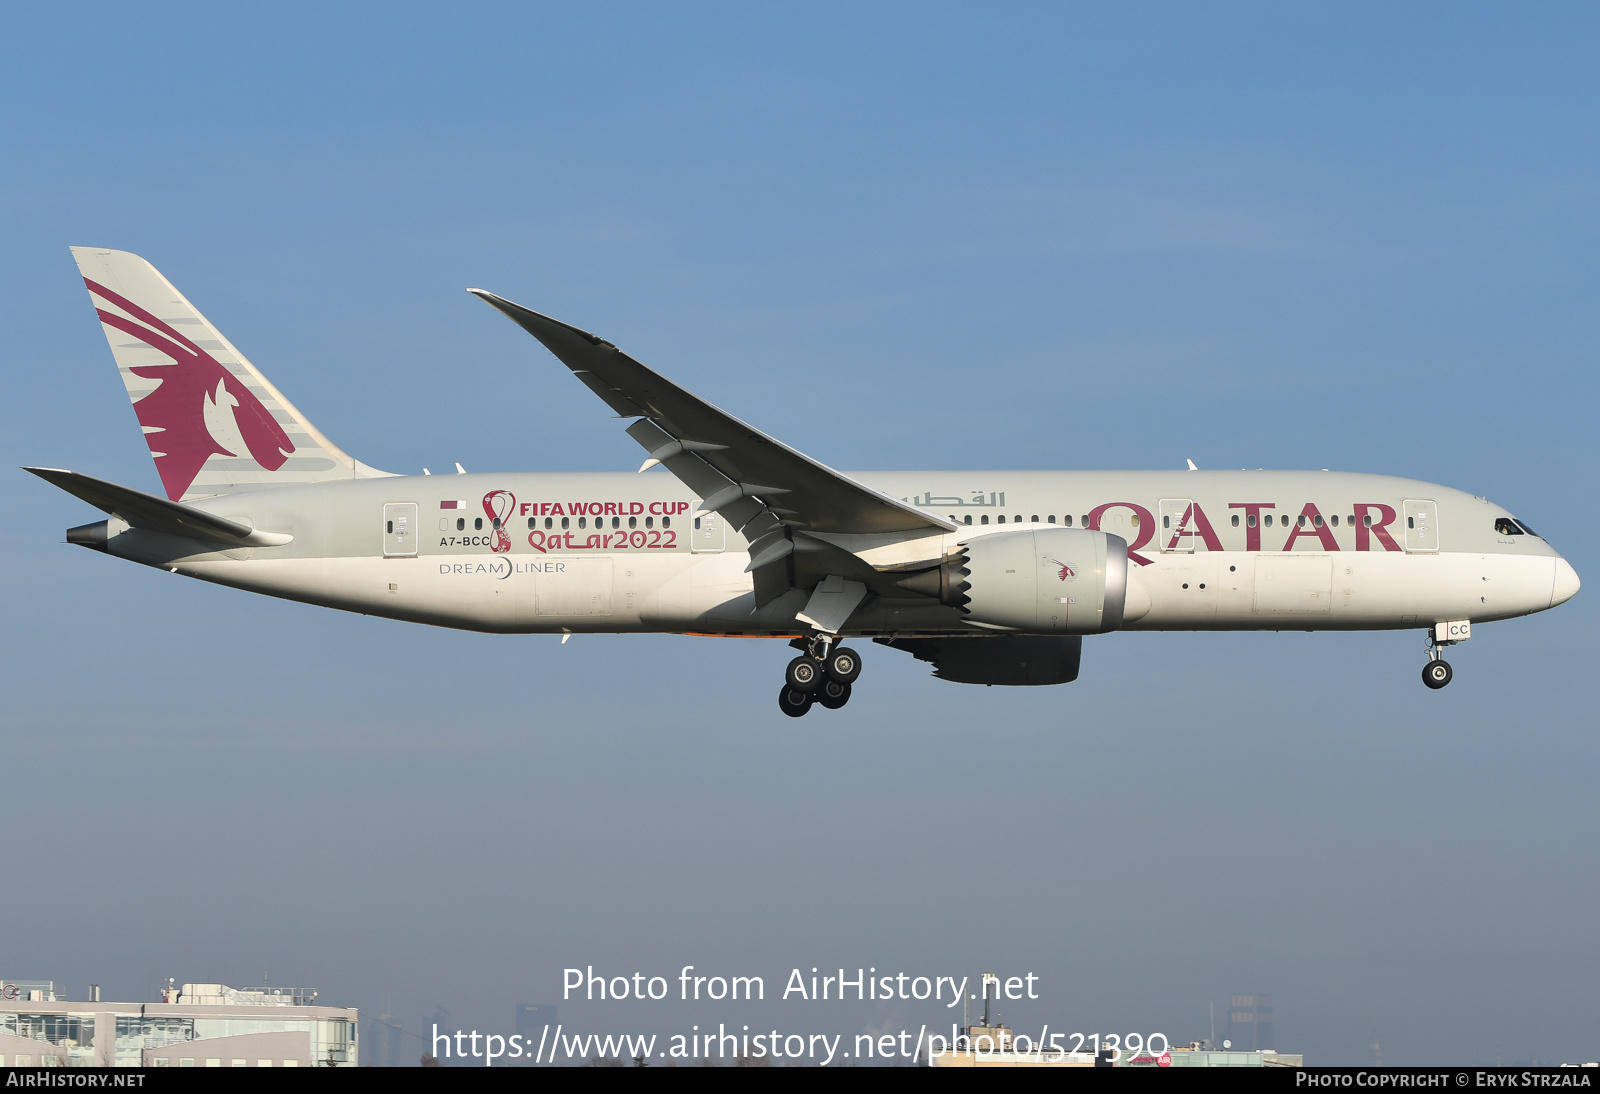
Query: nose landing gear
point(821, 676)
point(1437, 672)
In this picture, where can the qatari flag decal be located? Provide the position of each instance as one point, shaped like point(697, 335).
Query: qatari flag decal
point(452, 505)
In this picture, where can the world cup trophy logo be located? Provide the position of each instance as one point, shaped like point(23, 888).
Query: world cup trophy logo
point(498, 505)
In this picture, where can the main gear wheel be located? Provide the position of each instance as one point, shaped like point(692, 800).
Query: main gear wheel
point(794, 702)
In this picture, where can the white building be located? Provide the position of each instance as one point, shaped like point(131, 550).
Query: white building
point(197, 1025)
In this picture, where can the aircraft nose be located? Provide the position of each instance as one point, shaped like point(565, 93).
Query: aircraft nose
point(1566, 583)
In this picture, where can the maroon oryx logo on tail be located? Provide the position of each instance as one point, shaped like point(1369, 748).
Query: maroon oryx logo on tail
point(176, 410)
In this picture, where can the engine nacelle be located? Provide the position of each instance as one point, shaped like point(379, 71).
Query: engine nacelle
point(1036, 580)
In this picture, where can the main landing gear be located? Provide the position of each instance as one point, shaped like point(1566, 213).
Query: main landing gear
point(821, 675)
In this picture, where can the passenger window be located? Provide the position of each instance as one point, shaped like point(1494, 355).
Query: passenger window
point(1250, 520)
point(666, 522)
point(1316, 520)
point(1052, 519)
point(549, 522)
point(696, 524)
point(532, 523)
point(616, 522)
point(968, 519)
point(633, 522)
point(1367, 520)
point(1335, 519)
point(649, 522)
point(583, 522)
point(1236, 520)
point(1035, 519)
point(1411, 522)
point(1302, 521)
point(1269, 520)
point(495, 522)
point(461, 524)
point(1016, 518)
point(566, 522)
point(390, 527)
point(1134, 520)
point(985, 519)
point(1002, 519)
point(1166, 521)
point(1507, 527)
point(1068, 520)
point(1085, 520)
point(477, 524)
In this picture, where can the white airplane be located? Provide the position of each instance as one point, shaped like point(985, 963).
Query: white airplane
point(992, 576)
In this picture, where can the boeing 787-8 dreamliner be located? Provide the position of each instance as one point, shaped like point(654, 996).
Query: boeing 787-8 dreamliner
point(992, 576)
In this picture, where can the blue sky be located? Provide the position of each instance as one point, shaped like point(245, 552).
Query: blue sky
point(1354, 236)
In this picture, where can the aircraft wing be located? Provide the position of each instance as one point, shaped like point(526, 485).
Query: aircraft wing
point(738, 470)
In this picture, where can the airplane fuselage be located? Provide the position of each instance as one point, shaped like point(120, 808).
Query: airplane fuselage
point(604, 552)
point(992, 577)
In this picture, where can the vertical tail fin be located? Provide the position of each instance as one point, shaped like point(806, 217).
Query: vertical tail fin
point(212, 421)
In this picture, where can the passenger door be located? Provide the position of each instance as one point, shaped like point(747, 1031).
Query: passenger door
point(709, 533)
point(399, 529)
point(1170, 521)
point(1422, 525)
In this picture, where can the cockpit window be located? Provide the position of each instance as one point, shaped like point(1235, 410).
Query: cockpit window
point(1505, 526)
point(1528, 530)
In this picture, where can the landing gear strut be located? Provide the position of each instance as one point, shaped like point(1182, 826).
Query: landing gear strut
point(820, 676)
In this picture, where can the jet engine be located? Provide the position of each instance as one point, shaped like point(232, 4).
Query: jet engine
point(1036, 580)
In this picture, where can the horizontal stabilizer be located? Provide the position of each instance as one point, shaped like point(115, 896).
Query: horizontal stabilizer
point(153, 514)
